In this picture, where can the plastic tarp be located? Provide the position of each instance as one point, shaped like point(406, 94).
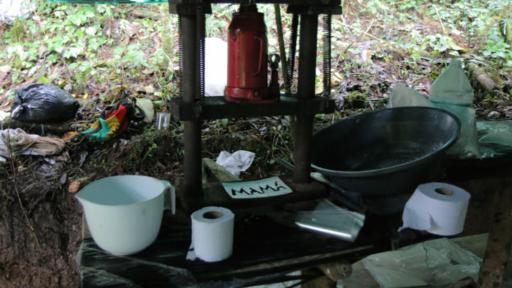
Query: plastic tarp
point(43, 103)
point(18, 142)
point(434, 263)
point(494, 137)
point(452, 92)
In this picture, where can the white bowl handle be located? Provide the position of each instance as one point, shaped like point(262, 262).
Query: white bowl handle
point(172, 192)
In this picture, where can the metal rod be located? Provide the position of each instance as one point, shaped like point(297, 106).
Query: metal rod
point(293, 46)
point(326, 61)
point(306, 89)
point(200, 26)
point(282, 50)
point(192, 129)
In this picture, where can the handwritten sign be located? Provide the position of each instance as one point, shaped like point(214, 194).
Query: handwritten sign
point(268, 187)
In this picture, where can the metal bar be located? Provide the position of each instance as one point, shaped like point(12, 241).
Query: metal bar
point(293, 46)
point(192, 129)
point(326, 56)
point(306, 89)
point(200, 52)
point(282, 51)
point(217, 108)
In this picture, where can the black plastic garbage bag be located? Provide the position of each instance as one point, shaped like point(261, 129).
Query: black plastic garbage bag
point(43, 103)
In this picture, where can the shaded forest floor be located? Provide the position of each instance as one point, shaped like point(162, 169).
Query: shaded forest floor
point(96, 52)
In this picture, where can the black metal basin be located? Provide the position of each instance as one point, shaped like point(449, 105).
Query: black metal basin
point(384, 153)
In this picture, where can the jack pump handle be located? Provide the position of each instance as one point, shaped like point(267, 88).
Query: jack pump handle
point(274, 76)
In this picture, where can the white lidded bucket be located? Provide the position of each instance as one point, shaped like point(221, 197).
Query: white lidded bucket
point(124, 213)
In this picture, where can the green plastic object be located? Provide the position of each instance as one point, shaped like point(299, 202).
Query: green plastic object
point(467, 144)
point(403, 96)
point(111, 2)
point(495, 138)
point(452, 92)
point(452, 86)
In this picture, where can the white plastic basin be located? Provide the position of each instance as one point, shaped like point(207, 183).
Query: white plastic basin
point(124, 213)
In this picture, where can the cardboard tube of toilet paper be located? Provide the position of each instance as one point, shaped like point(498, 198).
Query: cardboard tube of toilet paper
point(212, 233)
point(438, 208)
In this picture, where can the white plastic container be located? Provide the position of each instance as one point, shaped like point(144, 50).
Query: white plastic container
point(124, 213)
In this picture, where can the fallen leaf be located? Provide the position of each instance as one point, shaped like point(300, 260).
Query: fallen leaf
point(4, 71)
point(149, 89)
point(74, 186)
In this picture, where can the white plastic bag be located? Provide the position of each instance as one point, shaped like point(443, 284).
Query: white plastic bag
point(216, 66)
point(12, 9)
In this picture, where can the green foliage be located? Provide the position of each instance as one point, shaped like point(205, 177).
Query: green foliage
point(76, 45)
point(104, 46)
point(496, 48)
point(441, 28)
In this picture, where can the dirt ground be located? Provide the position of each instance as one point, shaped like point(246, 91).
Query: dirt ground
point(39, 232)
point(40, 221)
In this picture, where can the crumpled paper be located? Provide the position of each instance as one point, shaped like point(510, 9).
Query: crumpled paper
point(4, 115)
point(18, 142)
point(237, 162)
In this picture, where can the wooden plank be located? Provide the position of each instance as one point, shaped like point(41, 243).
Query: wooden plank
point(262, 247)
point(310, 261)
point(319, 282)
point(500, 238)
point(215, 195)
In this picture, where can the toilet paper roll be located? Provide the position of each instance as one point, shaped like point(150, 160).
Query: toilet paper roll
point(438, 208)
point(212, 234)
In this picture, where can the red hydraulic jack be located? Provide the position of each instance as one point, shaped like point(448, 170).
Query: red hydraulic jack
point(247, 59)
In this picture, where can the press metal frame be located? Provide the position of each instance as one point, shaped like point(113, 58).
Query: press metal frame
point(191, 106)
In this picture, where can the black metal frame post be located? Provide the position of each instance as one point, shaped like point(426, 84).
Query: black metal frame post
point(192, 128)
point(306, 89)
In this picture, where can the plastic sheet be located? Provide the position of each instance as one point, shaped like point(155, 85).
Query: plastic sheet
point(466, 145)
point(332, 220)
point(494, 137)
point(452, 92)
point(18, 142)
point(452, 86)
point(429, 264)
point(402, 96)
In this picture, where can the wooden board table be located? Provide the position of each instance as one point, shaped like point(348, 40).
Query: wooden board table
point(267, 247)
